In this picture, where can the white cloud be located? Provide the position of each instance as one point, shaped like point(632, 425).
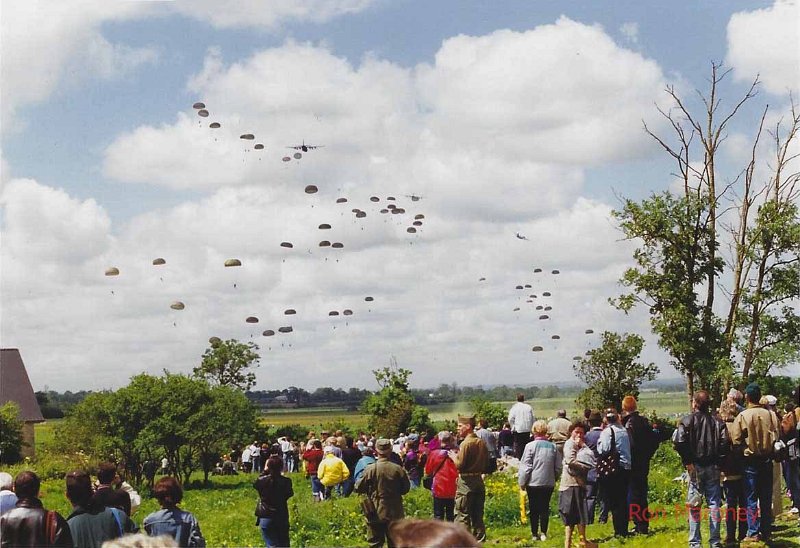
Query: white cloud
point(630, 31)
point(766, 43)
point(267, 14)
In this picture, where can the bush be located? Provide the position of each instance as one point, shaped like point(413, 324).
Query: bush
point(10, 433)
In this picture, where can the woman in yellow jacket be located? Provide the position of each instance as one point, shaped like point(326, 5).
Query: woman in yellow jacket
point(332, 471)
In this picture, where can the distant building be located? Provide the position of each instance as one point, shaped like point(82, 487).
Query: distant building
point(16, 386)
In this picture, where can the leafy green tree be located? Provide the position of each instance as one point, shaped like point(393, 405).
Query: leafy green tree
point(494, 413)
point(717, 261)
point(390, 409)
point(228, 363)
point(612, 372)
point(420, 419)
point(10, 433)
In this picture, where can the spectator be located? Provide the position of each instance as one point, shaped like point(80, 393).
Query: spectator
point(313, 456)
point(411, 464)
point(8, 499)
point(384, 483)
point(731, 472)
point(538, 468)
point(247, 463)
point(171, 520)
point(505, 439)
point(702, 442)
point(758, 429)
point(443, 470)
point(791, 472)
point(29, 523)
point(615, 488)
point(520, 418)
point(770, 403)
point(593, 495)
point(332, 471)
point(558, 431)
point(572, 489)
point(255, 457)
point(350, 456)
point(487, 437)
point(471, 461)
point(644, 443)
point(91, 524)
point(105, 494)
point(287, 452)
point(737, 398)
point(274, 490)
point(409, 533)
point(367, 458)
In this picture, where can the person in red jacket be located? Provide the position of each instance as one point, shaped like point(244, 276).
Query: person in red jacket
point(313, 456)
point(444, 472)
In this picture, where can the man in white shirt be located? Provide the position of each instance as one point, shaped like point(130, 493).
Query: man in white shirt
point(247, 465)
point(255, 456)
point(521, 418)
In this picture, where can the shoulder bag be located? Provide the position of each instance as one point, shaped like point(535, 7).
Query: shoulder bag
point(427, 481)
point(608, 463)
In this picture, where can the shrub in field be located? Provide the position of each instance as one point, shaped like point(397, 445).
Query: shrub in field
point(10, 433)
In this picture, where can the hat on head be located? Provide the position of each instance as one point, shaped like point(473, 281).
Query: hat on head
point(327, 449)
point(771, 400)
point(753, 392)
point(383, 446)
point(370, 444)
point(466, 419)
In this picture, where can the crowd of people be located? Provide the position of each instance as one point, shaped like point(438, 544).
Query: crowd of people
point(600, 465)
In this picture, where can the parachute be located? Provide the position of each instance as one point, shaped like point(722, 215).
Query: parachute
point(247, 136)
point(333, 313)
point(324, 243)
point(259, 146)
point(361, 214)
point(198, 105)
point(347, 312)
point(555, 337)
point(548, 308)
point(391, 198)
point(268, 333)
point(297, 155)
point(577, 358)
point(589, 331)
point(399, 210)
point(411, 230)
point(324, 226)
point(537, 270)
point(417, 223)
point(481, 279)
point(520, 287)
point(285, 158)
point(341, 200)
point(177, 305)
point(287, 329)
point(546, 294)
point(544, 317)
point(556, 272)
point(290, 311)
point(419, 216)
point(337, 245)
point(527, 286)
point(537, 349)
point(384, 211)
point(287, 244)
point(251, 319)
point(368, 299)
point(374, 199)
point(215, 125)
point(233, 262)
point(391, 206)
point(113, 271)
point(311, 189)
point(203, 113)
point(159, 261)
point(516, 309)
point(539, 307)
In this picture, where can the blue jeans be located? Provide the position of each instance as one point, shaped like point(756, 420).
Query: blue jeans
point(735, 511)
point(758, 492)
point(791, 475)
point(705, 481)
point(274, 532)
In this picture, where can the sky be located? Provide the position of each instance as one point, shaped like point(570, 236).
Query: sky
point(515, 129)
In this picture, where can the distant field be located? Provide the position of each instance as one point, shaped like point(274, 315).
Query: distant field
point(665, 403)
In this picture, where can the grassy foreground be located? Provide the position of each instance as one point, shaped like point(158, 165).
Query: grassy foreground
point(225, 511)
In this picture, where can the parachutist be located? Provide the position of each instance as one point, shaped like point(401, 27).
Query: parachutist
point(234, 286)
point(112, 291)
point(174, 324)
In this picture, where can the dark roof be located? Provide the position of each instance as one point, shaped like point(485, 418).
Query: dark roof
point(16, 386)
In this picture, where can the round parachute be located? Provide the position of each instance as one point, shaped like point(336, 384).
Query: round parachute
point(391, 198)
point(324, 226)
point(556, 272)
point(347, 312)
point(113, 271)
point(537, 349)
point(544, 317)
point(202, 113)
point(268, 333)
point(419, 216)
point(324, 243)
point(411, 230)
point(177, 305)
point(546, 294)
point(548, 308)
point(537, 270)
point(577, 358)
point(384, 211)
point(285, 158)
point(539, 307)
point(297, 155)
point(417, 223)
point(520, 287)
point(555, 337)
point(311, 189)
point(374, 199)
point(337, 245)
point(215, 125)
point(287, 329)
point(259, 146)
point(251, 319)
point(341, 200)
point(400, 210)
point(290, 311)
point(333, 313)
point(391, 206)
point(287, 244)
point(369, 299)
point(481, 279)
point(233, 262)
point(247, 136)
point(159, 261)
point(527, 286)
point(516, 309)
point(198, 105)
point(361, 214)
point(589, 331)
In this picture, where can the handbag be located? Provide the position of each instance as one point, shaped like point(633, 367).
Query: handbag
point(264, 510)
point(427, 481)
point(608, 463)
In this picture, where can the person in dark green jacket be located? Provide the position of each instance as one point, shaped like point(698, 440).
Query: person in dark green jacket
point(91, 525)
point(384, 483)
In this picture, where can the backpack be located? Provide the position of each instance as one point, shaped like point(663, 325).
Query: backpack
point(608, 464)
